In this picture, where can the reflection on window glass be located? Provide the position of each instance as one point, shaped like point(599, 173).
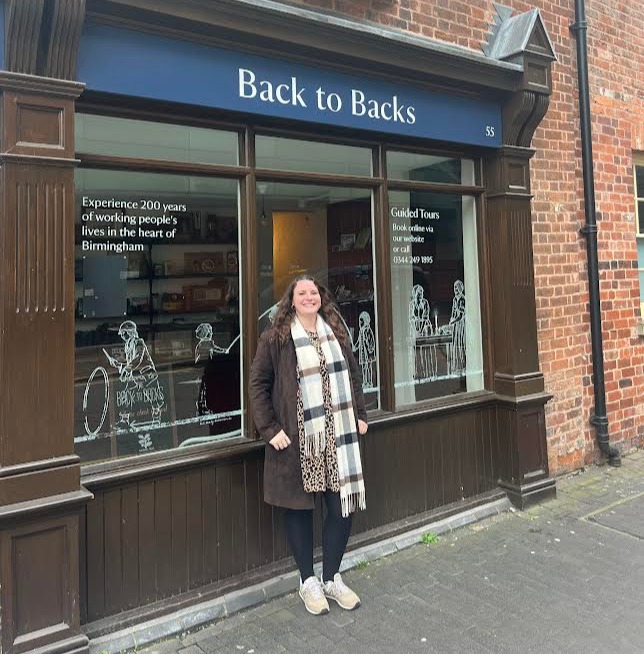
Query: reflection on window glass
point(435, 291)
point(325, 232)
point(157, 312)
point(124, 137)
point(430, 168)
point(311, 156)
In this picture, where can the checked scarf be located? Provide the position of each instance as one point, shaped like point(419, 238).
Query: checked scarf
point(352, 490)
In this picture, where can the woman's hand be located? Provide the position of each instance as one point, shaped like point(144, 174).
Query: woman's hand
point(362, 427)
point(280, 441)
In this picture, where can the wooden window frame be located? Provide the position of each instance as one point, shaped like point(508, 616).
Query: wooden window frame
point(248, 175)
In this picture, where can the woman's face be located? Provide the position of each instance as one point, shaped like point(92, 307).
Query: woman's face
point(306, 298)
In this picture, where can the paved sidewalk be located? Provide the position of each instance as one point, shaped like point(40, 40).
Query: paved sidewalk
point(564, 576)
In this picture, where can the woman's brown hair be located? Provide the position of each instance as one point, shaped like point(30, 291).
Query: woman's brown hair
point(284, 314)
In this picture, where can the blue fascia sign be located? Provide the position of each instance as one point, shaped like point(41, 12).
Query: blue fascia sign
point(123, 61)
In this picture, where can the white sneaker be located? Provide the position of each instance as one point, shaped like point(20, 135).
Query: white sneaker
point(313, 596)
point(337, 590)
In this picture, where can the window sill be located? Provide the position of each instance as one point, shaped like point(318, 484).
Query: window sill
point(117, 471)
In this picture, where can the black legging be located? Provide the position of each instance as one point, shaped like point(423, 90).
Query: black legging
point(299, 531)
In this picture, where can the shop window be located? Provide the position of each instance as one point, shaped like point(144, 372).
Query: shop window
point(124, 137)
point(157, 312)
point(430, 168)
point(326, 232)
point(639, 213)
point(312, 156)
point(435, 295)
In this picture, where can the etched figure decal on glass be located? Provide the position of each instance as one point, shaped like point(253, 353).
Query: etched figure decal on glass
point(206, 347)
point(139, 377)
point(457, 324)
point(422, 351)
point(366, 349)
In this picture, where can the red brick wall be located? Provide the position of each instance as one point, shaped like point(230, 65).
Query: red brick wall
point(616, 67)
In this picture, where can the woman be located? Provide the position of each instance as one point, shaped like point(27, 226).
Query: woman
point(307, 402)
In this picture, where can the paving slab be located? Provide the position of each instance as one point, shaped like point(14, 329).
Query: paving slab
point(625, 515)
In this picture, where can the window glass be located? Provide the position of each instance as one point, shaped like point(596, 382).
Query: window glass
point(325, 232)
point(311, 156)
point(435, 295)
point(157, 312)
point(124, 137)
point(639, 181)
point(639, 212)
point(430, 168)
point(640, 265)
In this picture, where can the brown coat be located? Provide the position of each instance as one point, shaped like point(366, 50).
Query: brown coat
point(273, 394)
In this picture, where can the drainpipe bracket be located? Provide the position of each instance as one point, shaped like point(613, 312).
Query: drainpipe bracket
point(588, 229)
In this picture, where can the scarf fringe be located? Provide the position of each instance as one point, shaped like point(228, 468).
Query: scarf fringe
point(353, 501)
point(314, 444)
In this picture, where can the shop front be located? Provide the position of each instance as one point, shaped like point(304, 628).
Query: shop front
point(167, 171)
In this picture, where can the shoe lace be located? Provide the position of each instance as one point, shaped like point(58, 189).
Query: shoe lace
point(340, 586)
point(312, 588)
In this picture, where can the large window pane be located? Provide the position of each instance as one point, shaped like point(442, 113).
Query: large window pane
point(311, 156)
point(124, 137)
point(435, 291)
point(326, 232)
point(430, 168)
point(157, 312)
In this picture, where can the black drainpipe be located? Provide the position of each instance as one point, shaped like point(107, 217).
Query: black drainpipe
point(599, 419)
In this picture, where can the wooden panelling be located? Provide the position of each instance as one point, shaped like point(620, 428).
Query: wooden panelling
point(151, 540)
point(194, 528)
point(35, 594)
point(147, 551)
point(130, 541)
point(179, 568)
point(40, 125)
point(37, 124)
point(36, 611)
